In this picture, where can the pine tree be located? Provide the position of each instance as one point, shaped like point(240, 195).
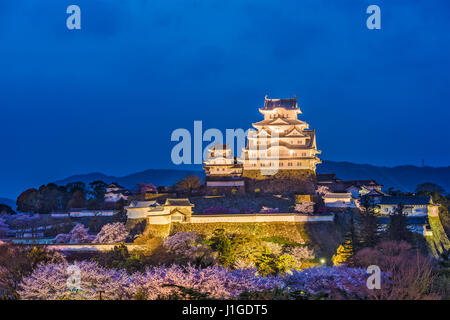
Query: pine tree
point(397, 229)
point(120, 213)
point(369, 233)
point(346, 252)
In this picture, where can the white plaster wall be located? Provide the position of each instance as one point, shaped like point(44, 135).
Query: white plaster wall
point(137, 213)
point(247, 218)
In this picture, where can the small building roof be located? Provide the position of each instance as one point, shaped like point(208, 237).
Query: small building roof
point(178, 202)
point(143, 204)
point(375, 193)
point(360, 183)
point(122, 191)
point(326, 177)
point(114, 185)
point(407, 200)
point(338, 195)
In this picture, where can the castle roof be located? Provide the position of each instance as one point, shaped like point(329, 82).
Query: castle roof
point(270, 104)
point(219, 147)
point(143, 204)
point(375, 193)
point(326, 177)
point(279, 121)
point(178, 202)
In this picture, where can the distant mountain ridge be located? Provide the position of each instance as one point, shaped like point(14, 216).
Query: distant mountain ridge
point(405, 178)
point(8, 202)
point(159, 177)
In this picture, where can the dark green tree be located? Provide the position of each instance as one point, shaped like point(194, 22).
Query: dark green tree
point(352, 242)
point(120, 213)
point(98, 190)
point(92, 204)
point(346, 252)
point(429, 187)
point(189, 184)
point(224, 245)
point(48, 198)
point(5, 209)
point(397, 229)
point(78, 200)
point(120, 258)
point(369, 230)
point(27, 201)
point(63, 197)
point(76, 186)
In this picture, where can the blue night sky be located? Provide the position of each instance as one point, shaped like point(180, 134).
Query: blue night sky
point(107, 97)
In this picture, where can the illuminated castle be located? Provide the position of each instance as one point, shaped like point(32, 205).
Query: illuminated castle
point(282, 151)
point(281, 140)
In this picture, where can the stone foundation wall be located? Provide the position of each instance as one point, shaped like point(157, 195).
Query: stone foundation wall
point(287, 230)
point(324, 237)
point(284, 181)
point(216, 190)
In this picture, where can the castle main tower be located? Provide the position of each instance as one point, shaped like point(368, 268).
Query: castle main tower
point(281, 139)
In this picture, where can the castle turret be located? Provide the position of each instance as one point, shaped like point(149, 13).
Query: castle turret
point(223, 172)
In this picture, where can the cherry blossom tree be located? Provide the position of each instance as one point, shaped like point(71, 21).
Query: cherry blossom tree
point(181, 241)
point(188, 248)
point(305, 207)
point(217, 282)
point(18, 261)
point(79, 234)
point(265, 209)
point(300, 254)
point(411, 274)
point(50, 282)
point(62, 238)
point(322, 190)
point(335, 282)
point(144, 188)
point(112, 233)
